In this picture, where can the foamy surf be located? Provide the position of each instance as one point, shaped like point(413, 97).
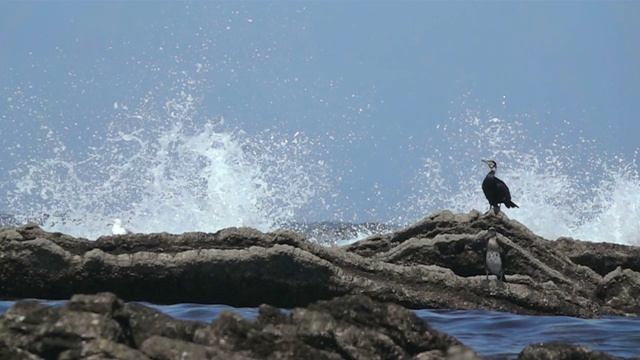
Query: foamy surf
point(562, 189)
point(166, 172)
point(163, 167)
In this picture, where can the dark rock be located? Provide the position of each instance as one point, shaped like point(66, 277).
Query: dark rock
point(358, 320)
point(620, 289)
point(602, 258)
point(435, 263)
point(47, 332)
point(350, 327)
point(103, 349)
point(146, 322)
point(229, 331)
point(14, 353)
point(443, 240)
point(70, 328)
point(560, 351)
point(162, 348)
point(105, 303)
point(32, 231)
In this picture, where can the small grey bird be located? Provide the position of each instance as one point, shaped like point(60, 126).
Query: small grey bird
point(495, 257)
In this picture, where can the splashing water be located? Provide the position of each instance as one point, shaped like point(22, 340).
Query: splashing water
point(171, 173)
point(562, 190)
point(172, 170)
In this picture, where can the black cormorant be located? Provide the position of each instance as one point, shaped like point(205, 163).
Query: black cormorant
point(495, 189)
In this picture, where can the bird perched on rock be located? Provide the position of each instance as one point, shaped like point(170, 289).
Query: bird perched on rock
point(495, 190)
point(495, 257)
point(117, 228)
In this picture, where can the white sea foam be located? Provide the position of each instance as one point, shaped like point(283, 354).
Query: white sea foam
point(163, 171)
point(162, 167)
point(573, 190)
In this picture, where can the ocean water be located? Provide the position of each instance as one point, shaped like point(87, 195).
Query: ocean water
point(493, 334)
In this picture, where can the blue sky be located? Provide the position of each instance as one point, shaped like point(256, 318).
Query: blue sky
point(376, 77)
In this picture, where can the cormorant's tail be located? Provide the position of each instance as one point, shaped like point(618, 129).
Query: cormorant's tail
point(510, 204)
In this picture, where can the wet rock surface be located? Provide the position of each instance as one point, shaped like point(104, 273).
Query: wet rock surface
point(102, 327)
point(557, 351)
point(437, 262)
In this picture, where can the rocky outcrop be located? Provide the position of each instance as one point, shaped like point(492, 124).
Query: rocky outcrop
point(602, 258)
point(559, 351)
point(102, 327)
point(620, 289)
point(435, 263)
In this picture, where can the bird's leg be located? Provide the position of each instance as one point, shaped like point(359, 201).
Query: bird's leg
point(489, 211)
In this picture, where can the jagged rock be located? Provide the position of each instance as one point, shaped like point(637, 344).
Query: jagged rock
point(163, 348)
point(457, 242)
point(435, 263)
point(443, 240)
point(107, 304)
point(560, 351)
point(146, 323)
point(11, 353)
point(45, 331)
point(103, 349)
point(602, 258)
point(620, 289)
point(353, 327)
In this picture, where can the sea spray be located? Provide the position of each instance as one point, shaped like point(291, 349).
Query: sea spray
point(166, 171)
point(562, 188)
point(168, 166)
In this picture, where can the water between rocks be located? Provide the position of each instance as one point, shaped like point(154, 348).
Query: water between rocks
point(493, 334)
